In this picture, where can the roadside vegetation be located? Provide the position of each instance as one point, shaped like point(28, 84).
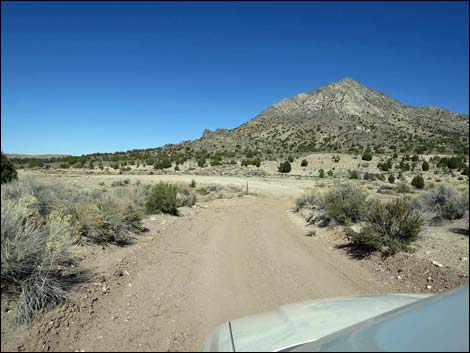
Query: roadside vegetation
point(386, 227)
point(444, 203)
point(43, 223)
point(390, 227)
point(8, 170)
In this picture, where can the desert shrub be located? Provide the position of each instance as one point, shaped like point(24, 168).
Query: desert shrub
point(284, 167)
point(290, 159)
point(46, 194)
point(185, 197)
point(330, 173)
point(425, 166)
point(192, 184)
point(379, 176)
point(99, 222)
point(247, 162)
point(162, 198)
point(162, 163)
point(418, 182)
point(386, 189)
point(32, 253)
point(385, 166)
point(404, 166)
point(116, 183)
point(177, 168)
point(203, 190)
point(445, 202)
point(215, 162)
point(370, 176)
point(465, 170)
point(354, 174)
point(304, 163)
point(390, 227)
point(403, 188)
point(215, 187)
point(321, 173)
point(415, 158)
point(367, 156)
point(391, 179)
point(8, 170)
point(345, 204)
point(306, 200)
point(201, 162)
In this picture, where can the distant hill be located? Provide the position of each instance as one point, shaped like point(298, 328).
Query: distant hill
point(36, 156)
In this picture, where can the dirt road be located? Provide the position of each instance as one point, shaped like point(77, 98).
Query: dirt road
point(234, 258)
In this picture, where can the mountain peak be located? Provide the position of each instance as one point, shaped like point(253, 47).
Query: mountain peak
point(347, 83)
point(349, 80)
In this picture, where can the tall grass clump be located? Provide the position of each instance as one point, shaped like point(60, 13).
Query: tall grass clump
point(390, 227)
point(32, 254)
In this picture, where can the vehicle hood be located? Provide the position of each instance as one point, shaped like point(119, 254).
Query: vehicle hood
point(298, 323)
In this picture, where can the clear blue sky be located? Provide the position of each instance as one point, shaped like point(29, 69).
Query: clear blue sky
point(102, 77)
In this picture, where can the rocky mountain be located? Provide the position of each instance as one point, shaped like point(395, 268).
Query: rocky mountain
point(344, 116)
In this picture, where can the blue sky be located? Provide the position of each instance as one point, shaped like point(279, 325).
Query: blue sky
point(102, 77)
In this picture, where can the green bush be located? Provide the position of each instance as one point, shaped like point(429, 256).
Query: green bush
point(215, 162)
point(162, 198)
point(418, 182)
point(390, 227)
point(162, 163)
point(404, 166)
point(367, 156)
point(193, 183)
point(379, 176)
point(284, 167)
point(321, 173)
point(425, 166)
point(247, 162)
point(345, 204)
point(201, 162)
point(354, 174)
point(290, 159)
point(304, 163)
point(391, 179)
point(8, 170)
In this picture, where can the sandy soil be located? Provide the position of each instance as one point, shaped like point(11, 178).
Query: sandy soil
point(223, 260)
